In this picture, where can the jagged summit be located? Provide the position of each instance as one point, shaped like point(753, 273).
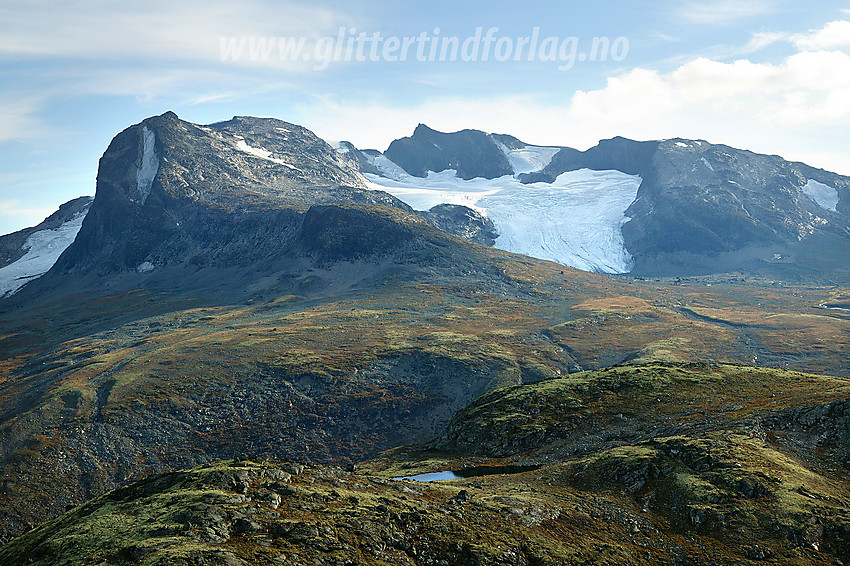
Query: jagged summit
point(471, 153)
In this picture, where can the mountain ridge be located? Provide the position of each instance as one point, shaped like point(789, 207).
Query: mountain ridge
point(700, 208)
point(236, 291)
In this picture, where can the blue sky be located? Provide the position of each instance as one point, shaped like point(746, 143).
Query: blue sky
point(771, 76)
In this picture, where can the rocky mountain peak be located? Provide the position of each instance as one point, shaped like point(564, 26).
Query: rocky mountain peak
point(471, 153)
point(167, 189)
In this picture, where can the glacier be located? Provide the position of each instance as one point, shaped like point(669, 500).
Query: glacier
point(575, 221)
point(43, 249)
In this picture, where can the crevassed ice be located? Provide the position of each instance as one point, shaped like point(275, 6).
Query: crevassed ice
point(825, 196)
point(149, 167)
point(43, 249)
point(575, 220)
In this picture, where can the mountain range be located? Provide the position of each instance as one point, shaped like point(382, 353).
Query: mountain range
point(644, 343)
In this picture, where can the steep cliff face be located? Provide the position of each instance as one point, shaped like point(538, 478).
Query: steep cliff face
point(171, 192)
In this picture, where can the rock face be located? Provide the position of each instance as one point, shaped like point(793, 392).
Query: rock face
point(470, 152)
point(171, 192)
point(463, 221)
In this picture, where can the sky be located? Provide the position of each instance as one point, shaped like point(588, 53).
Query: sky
point(769, 76)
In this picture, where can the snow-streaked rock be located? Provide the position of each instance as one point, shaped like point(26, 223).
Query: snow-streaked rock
point(43, 249)
point(262, 153)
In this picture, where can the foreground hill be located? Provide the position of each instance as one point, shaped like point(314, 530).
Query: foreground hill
point(652, 464)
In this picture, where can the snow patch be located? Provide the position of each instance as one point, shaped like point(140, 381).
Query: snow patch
point(43, 249)
point(826, 306)
point(706, 163)
point(681, 144)
point(150, 165)
point(825, 196)
point(576, 220)
point(388, 167)
point(145, 267)
point(529, 159)
point(262, 153)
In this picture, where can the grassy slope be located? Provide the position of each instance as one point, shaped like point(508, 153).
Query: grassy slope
point(345, 358)
point(706, 483)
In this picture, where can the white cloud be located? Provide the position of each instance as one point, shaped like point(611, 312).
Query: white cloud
point(798, 108)
point(833, 35)
point(794, 108)
point(723, 11)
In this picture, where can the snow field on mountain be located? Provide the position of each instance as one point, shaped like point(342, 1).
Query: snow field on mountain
point(150, 165)
point(530, 158)
point(825, 196)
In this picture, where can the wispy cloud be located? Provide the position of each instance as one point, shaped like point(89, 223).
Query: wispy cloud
point(19, 118)
point(716, 12)
point(156, 30)
point(760, 40)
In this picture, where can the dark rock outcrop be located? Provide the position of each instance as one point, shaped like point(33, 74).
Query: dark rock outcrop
point(462, 221)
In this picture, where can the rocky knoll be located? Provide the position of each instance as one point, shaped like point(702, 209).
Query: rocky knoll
point(626, 465)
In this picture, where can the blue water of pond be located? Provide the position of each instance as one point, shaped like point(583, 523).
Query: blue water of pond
point(432, 476)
